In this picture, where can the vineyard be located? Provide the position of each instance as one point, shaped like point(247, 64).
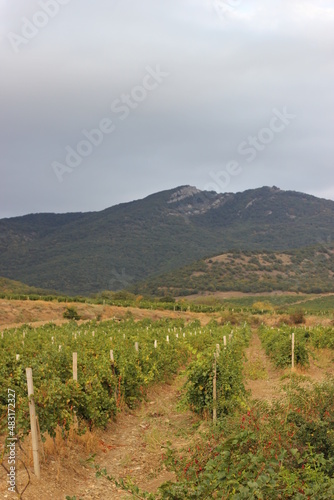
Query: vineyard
point(117, 361)
point(277, 343)
point(85, 376)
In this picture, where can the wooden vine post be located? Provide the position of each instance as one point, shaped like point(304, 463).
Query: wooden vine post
point(293, 351)
point(214, 393)
point(33, 423)
point(75, 366)
point(112, 361)
point(75, 378)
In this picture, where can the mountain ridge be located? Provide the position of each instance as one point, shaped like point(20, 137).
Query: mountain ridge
point(130, 242)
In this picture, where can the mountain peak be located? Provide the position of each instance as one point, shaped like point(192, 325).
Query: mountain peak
point(182, 193)
point(187, 201)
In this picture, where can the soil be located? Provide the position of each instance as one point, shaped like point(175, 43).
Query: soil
point(263, 377)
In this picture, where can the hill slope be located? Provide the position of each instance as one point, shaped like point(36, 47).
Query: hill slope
point(111, 249)
point(8, 287)
point(309, 270)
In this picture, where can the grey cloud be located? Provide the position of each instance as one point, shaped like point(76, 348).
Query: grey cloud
point(225, 79)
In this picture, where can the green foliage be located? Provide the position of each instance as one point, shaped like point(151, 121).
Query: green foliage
point(322, 337)
point(167, 298)
point(123, 295)
point(320, 304)
point(230, 388)
point(301, 270)
point(103, 387)
point(11, 287)
point(228, 365)
point(278, 345)
point(283, 451)
point(71, 313)
point(277, 342)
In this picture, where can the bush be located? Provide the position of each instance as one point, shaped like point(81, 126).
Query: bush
point(297, 317)
point(71, 313)
point(167, 298)
point(274, 452)
point(230, 388)
point(262, 307)
point(277, 344)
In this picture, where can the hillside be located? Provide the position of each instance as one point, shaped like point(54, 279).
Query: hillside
point(8, 286)
point(78, 253)
point(309, 270)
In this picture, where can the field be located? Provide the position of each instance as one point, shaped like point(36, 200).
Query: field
point(142, 417)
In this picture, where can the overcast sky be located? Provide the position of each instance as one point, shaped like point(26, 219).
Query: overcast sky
point(224, 95)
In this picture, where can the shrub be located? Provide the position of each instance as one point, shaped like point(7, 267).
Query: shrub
point(167, 298)
point(297, 317)
point(277, 344)
point(230, 388)
point(71, 313)
point(262, 307)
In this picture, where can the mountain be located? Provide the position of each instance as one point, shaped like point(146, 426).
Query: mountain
point(306, 270)
point(114, 248)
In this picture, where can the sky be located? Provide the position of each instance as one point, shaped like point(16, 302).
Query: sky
point(109, 101)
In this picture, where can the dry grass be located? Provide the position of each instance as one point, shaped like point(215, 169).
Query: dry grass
point(255, 370)
point(15, 313)
point(60, 447)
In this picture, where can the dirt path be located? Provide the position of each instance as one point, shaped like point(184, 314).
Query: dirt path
point(132, 446)
point(262, 378)
point(140, 438)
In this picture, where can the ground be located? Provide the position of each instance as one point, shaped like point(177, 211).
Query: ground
point(262, 378)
